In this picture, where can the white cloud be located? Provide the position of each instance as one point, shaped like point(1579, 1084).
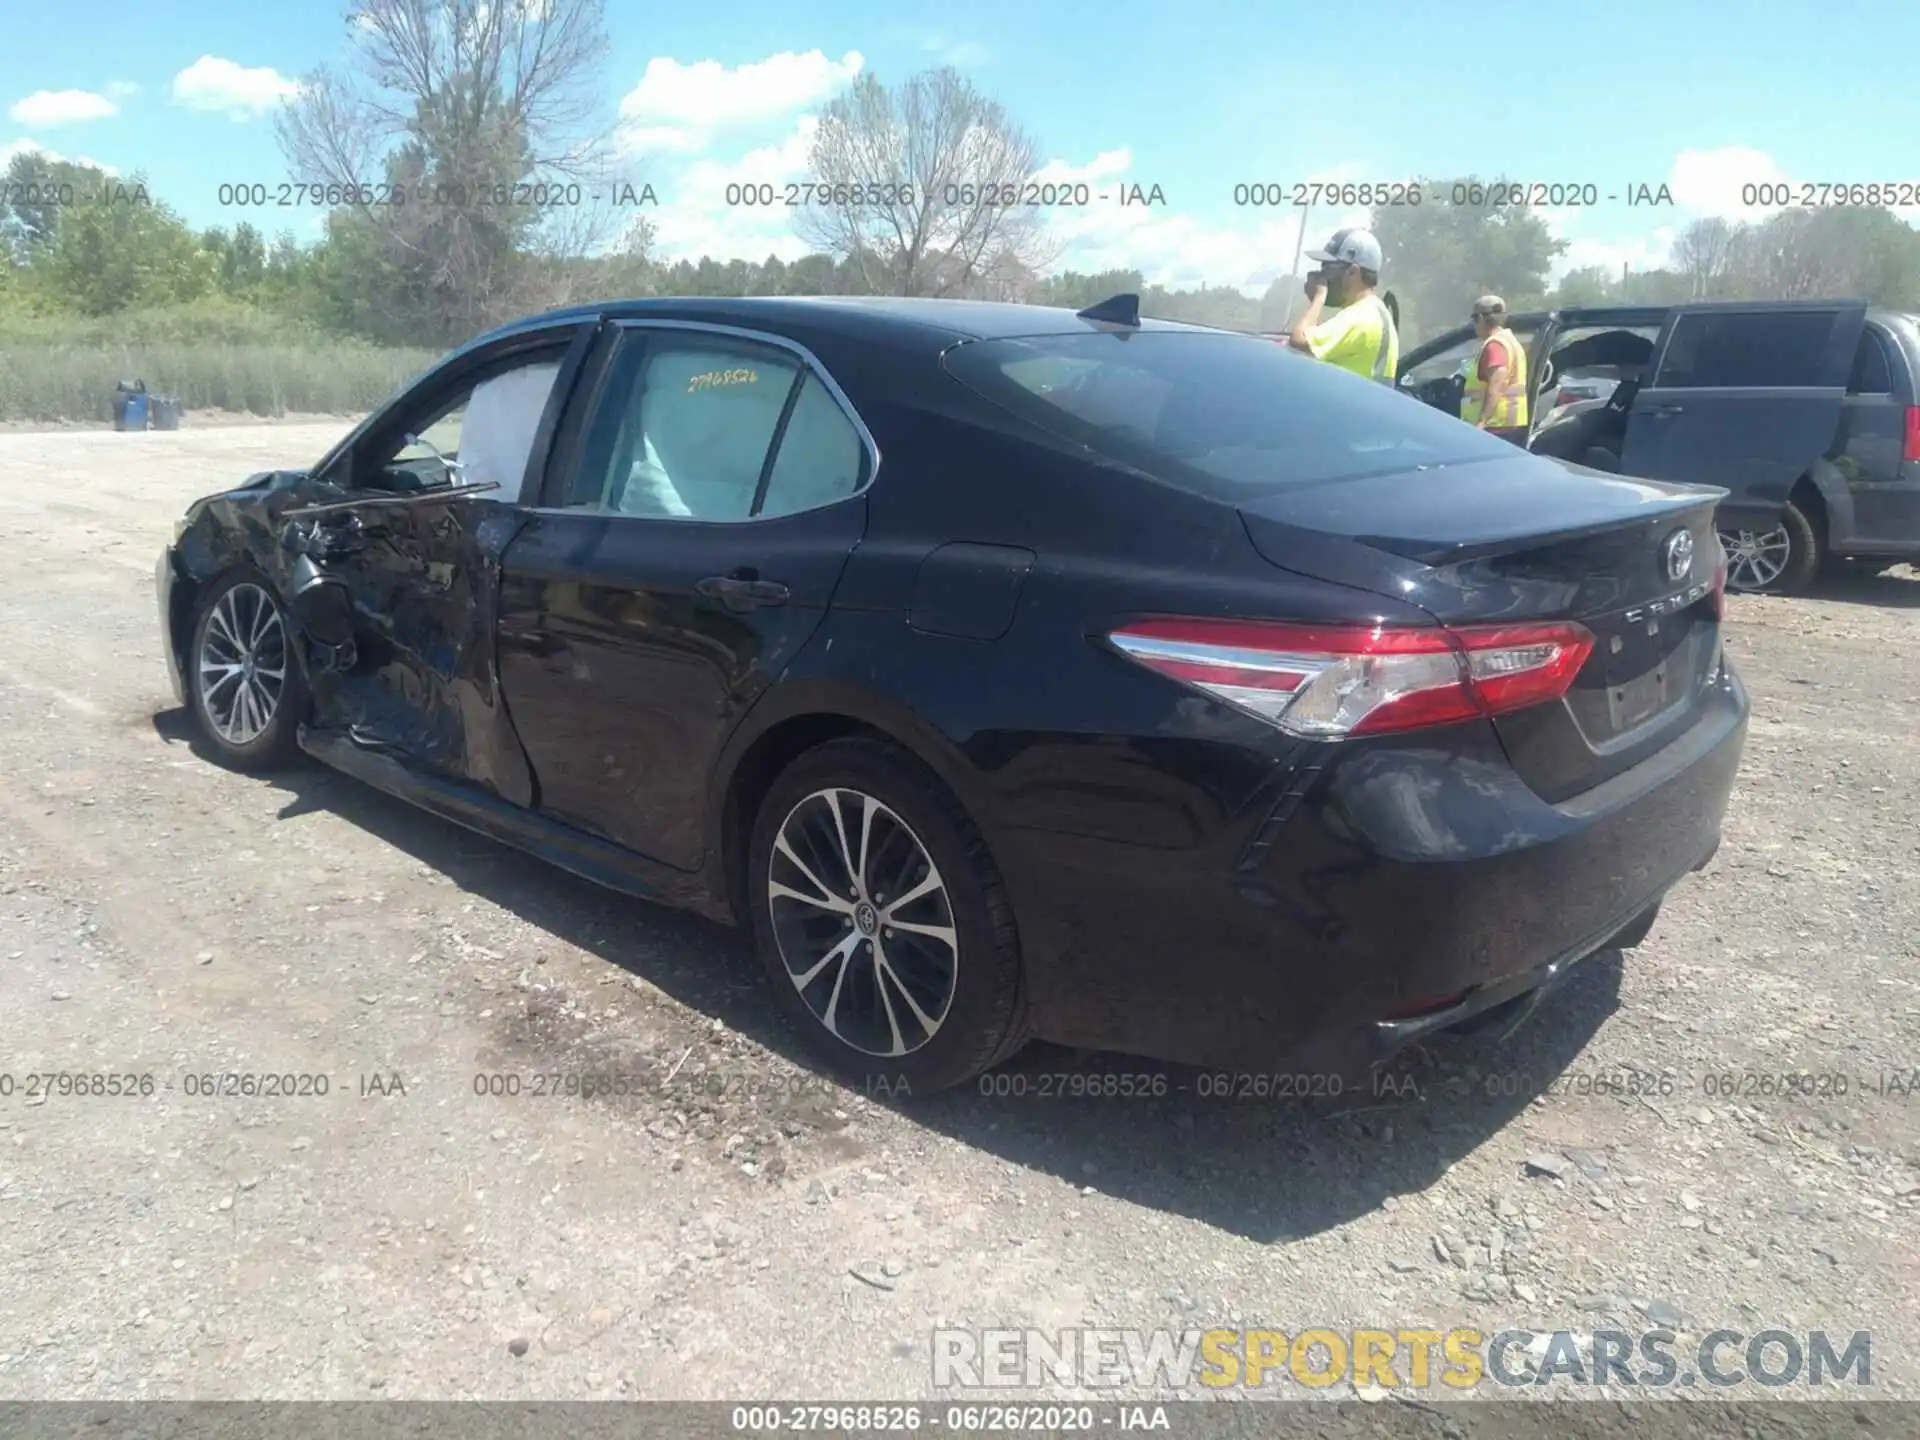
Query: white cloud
point(676, 111)
point(224, 87)
point(1170, 247)
point(1650, 251)
point(34, 147)
point(46, 108)
point(1167, 246)
point(961, 54)
point(123, 89)
point(1714, 182)
point(639, 140)
point(1639, 249)
point(1730, 183)
point(678, 107)
point(1711, 182)
point(699, 221)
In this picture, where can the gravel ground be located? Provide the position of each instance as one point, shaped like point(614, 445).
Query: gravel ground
point(741, 1227)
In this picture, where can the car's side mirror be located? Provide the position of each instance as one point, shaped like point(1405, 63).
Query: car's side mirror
point(450, 462)
point(400, 479)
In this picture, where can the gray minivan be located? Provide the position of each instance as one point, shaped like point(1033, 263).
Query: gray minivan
point(1806, 411)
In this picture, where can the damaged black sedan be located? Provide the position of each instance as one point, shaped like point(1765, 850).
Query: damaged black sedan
point(1010, 672)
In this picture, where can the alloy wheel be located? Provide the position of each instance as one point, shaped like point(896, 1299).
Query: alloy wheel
point(1756, 558)
point(242, 663)
point(863, 921)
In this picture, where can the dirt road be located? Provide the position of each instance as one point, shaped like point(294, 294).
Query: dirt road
point(735, 1226)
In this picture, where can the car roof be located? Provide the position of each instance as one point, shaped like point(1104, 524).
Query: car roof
point(933, 323)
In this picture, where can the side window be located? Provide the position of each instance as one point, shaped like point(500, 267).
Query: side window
point(498, 425)
point(1752, 348)
point(487, 429)
point(1107, 394)
point(1872, 375)
point(416, 464)
point(822, 457)
point(684, 427)
point(441, 434)
point(686, 423)
point(1451, 361)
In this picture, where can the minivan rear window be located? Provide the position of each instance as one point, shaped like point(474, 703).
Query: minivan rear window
point(1228, 415)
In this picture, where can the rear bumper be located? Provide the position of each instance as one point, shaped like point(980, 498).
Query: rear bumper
point(165, 577)
point(1390, 891)
point(1887, 520)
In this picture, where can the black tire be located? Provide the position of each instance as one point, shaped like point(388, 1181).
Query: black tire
point(984, 1020)
point(1802, 562)
point(275, 743)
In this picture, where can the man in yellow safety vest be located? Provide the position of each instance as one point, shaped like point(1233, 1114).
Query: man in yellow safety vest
point(1361, 335)
point(1496, 393)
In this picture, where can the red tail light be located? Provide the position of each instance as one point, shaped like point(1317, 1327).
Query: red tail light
point(1324, 682)
point(1911, 450)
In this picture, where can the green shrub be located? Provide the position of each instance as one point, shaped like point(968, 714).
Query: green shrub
point(214, 320)
point(72, 377)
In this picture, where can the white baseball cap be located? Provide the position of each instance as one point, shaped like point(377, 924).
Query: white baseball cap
point(1350, 247)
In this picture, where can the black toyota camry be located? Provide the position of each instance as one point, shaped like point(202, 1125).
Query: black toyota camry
point(1009, 671)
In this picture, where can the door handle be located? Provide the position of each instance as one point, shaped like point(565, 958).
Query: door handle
point(741, 592)
point(1664, 410)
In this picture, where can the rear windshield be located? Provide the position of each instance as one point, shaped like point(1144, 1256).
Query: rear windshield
point(1228, 415)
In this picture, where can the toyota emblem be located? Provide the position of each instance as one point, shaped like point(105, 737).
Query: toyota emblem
point(1677, 555)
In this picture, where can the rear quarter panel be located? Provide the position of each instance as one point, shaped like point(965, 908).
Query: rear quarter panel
point(1086, 773)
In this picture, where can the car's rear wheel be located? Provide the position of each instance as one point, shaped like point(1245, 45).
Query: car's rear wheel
point(1781, 559)
point(243, 681)
point(883, 921)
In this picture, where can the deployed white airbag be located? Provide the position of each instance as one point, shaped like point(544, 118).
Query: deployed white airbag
point(496, 433)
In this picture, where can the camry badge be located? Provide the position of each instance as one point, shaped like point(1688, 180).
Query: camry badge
point(1677, 555)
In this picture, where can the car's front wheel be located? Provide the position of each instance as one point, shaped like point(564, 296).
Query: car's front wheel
point(243, 680)
point(883, 921)
point(1781, 559)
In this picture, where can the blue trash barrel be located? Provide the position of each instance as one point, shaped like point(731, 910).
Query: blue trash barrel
point(124, 415)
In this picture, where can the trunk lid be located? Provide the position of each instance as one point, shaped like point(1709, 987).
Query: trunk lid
point(1533, 539)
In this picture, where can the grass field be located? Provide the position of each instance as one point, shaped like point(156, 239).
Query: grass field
point(60, 368)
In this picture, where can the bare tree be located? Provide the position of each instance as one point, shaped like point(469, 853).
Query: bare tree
point(462, 142)
point(924, 188)
point(1784, 258)
point(1704, 254)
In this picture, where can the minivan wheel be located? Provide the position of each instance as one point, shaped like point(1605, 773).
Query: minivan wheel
point(883, 922)
point(243, 681)
point(1780, 560)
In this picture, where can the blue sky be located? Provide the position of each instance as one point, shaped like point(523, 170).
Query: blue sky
point(1194, 97)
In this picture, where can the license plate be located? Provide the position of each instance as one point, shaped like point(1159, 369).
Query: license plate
point(1634, 700)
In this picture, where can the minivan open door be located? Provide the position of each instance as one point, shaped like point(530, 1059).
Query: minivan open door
point(1745, 397)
